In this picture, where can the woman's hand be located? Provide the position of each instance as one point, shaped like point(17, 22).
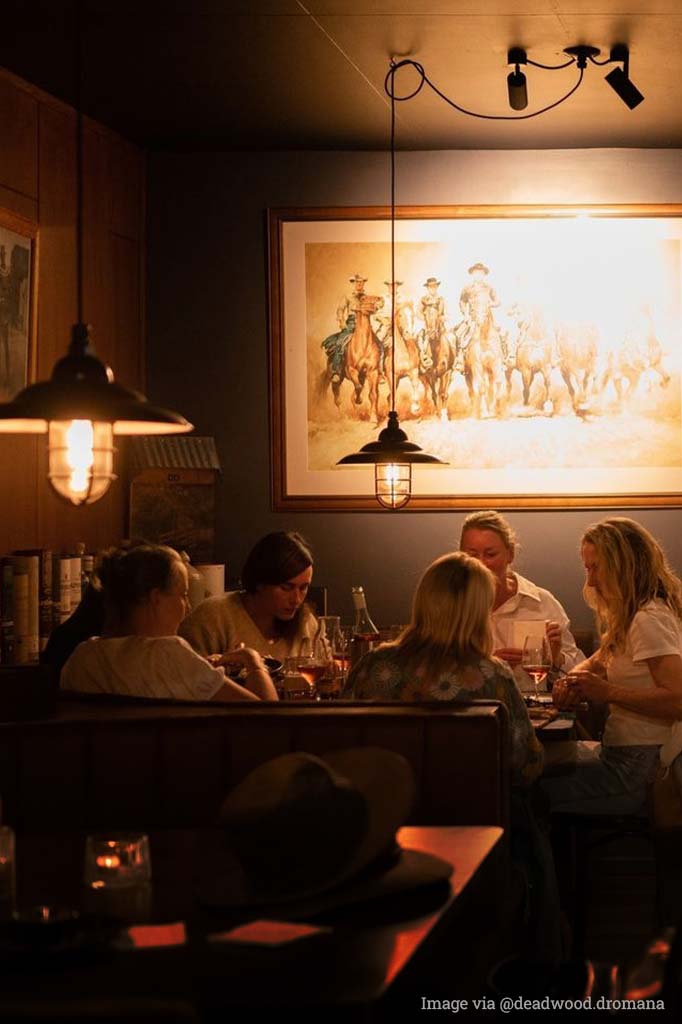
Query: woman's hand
point(239, 657)
point(565, 694)
point(512, 655)
point(553, 634)
point(590, 686)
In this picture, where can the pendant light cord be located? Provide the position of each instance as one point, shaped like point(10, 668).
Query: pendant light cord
point(78, 34)
point(393, 309)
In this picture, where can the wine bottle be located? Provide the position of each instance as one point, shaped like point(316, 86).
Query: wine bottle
point(365, 633)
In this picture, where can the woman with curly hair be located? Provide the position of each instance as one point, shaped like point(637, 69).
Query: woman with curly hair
point(637, 670)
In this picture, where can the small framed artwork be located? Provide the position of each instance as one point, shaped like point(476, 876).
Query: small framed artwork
point(535, 350)
point(18, 240)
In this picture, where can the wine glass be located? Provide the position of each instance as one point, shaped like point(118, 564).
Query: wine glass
point(536, 659)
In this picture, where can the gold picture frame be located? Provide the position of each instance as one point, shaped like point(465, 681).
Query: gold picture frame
point(18, 243)
point(581, 307)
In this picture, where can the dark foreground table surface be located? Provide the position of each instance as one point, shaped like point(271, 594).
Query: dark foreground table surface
point(349, 968)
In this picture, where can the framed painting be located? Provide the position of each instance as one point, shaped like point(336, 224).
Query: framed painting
point(538, 352)
point(17, 303)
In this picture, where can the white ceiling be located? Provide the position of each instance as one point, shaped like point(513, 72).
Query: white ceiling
point(298, 74)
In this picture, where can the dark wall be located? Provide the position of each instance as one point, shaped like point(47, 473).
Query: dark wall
point(208, 350)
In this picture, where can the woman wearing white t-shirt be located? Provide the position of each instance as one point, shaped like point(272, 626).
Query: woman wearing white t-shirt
point(637, 670)
point(139, 655)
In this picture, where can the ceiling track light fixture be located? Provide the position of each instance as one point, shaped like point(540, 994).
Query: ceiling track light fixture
point(81, 407)
point(517, 86)
point(392, 455)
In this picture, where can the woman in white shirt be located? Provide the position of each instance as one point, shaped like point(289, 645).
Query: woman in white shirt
point(637, 670)
point(140, 655)
point(488, 537)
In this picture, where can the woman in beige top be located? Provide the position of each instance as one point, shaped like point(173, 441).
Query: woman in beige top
point(269, 614)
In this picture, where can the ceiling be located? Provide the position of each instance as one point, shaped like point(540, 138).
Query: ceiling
point(309, 74)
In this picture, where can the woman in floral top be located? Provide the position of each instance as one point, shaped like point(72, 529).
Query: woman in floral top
point(445, 654)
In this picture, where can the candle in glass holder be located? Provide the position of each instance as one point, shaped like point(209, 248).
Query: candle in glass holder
point(116, 861)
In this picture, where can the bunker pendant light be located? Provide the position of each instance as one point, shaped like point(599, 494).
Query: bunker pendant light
point(81, 407)
point(392, 454)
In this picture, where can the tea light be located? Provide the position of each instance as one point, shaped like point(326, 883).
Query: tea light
point(108, 861)
point(118, 862)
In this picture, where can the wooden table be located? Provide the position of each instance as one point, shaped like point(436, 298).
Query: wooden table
point(366, 956)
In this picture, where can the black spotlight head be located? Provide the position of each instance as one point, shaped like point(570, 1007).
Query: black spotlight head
point(518, 93)
point(621, 84)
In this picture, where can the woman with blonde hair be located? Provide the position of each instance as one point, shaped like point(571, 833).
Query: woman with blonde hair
point(487, 535)
point(637, 670)
point(445, 654)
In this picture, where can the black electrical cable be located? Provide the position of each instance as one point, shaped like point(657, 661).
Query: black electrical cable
point(425, 80)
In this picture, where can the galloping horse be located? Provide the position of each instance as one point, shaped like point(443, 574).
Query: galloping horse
point(407, 355)
point(439, 374)
point(531, 352)
point(484, 370)
point(363, 353)
point(640, 352)
point(577, 346)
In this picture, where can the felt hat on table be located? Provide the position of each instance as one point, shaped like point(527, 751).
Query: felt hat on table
point(302, 834)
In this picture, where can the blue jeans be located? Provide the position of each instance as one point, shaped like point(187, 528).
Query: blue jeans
point(601, 780)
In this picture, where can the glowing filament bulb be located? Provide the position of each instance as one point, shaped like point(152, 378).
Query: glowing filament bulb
point(80, 457)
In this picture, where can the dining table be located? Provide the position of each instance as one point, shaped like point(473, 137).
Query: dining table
point(349, 964)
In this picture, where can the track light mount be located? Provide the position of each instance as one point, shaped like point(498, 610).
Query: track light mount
point(582, 54)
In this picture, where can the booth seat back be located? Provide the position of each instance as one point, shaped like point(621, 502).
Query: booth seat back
point(145, 767)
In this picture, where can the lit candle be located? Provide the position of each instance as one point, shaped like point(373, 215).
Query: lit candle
point(110, 861)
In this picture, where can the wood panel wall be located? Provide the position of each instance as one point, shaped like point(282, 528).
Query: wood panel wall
point(37, 181)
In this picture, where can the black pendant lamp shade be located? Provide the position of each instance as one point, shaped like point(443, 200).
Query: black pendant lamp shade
point(391, 447)
point(82, 387)
point(392, 456)
point(81, 408)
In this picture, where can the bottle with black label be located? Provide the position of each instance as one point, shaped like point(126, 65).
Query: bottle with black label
point(365, 633)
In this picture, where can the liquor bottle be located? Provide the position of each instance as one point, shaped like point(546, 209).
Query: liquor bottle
point(365, 633)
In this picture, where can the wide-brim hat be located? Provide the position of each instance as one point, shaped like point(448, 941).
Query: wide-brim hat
point(303, 834)
point(389, 284)
point(357, 277)
point(431, 280)
point(478, 266)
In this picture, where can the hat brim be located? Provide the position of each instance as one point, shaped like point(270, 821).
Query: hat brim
point(222, 884)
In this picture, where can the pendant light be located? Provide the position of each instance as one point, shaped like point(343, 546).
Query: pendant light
point(392, 454)
point(81, 407)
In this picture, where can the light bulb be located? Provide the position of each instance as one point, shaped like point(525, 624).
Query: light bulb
point(393, 483)
point(81, 459)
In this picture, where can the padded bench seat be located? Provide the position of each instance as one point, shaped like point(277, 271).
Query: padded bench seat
point(150, 765)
